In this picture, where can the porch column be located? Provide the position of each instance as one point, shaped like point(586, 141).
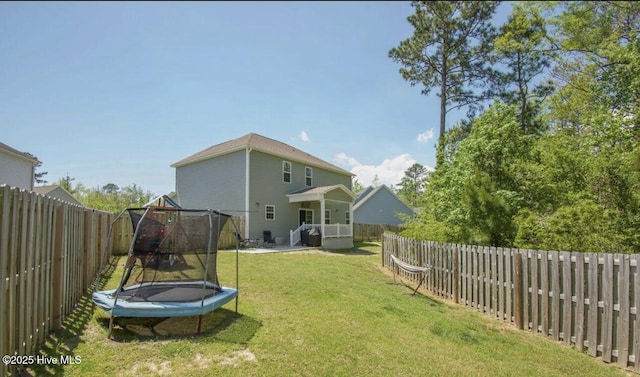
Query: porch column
point(351, 219)
point(322, 205)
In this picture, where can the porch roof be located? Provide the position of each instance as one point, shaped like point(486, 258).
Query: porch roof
point(309, 194)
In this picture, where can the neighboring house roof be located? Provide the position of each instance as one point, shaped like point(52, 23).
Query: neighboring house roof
point(370, 192)
point(58, 192)
point(363, 194)
point(21, 155)
point(163, 201)
point(262, 144)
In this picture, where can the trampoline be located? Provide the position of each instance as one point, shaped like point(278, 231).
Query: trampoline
point(171, 268)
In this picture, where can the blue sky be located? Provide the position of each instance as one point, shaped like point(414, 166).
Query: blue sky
point(115, 92)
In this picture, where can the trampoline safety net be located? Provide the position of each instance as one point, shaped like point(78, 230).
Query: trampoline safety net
point(173, 255)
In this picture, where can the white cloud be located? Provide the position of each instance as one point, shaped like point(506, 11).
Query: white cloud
point(303, 136)
point(425, 136)
point(389, 172)
point(345, 161)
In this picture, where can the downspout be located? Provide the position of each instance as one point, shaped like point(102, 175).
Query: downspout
point(33, 176)
point(246, 190)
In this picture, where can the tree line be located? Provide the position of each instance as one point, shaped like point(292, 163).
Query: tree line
point(109, 198)
point(548, 156)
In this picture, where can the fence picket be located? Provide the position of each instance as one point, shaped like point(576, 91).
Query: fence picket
point(5, 226)
point(526, 289)
point(624, 311)
point(480, 283)
point(535, 296)
point(500, 284)
point(567, 298)
point(30, 272)
point(579, 290)
point(636, 303)
point(592, 327)
point(473, 280)
point(22, 273)
point(509, 262)
point(555, 296)
point(487, 280)
point(544, 282)
point(494, 282)
point(607, 314)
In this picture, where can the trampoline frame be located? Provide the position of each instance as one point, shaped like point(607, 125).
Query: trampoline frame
point(212, 296)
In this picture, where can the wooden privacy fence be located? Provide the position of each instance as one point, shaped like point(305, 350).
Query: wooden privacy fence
point(49, 257)
point(586, 300)
point(372, 232)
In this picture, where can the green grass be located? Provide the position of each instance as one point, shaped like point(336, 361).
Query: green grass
point(314, 313)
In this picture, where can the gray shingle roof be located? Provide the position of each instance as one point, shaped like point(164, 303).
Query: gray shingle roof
point(262, 144)
point(363, 194)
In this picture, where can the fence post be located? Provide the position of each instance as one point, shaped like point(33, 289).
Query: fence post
point(517, 287)
point(456, 275)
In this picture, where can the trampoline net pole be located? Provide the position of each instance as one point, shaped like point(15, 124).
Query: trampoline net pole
point(106, 248)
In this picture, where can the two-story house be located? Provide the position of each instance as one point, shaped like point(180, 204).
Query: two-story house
point(275, 186)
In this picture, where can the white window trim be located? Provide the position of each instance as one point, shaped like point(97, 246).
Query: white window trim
point(284, 163)
point(327, 216)
point(310, 177)
point(267, 212)
point(346, 217)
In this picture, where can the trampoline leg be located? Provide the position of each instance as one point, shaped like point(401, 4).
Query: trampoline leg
point(199, 322)
point(110, 327)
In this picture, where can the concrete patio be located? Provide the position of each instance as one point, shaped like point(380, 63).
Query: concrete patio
point(276, 249)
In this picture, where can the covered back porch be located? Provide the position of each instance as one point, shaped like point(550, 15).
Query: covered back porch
point(333, 235)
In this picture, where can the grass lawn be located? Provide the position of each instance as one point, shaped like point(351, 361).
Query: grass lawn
point(314, 313)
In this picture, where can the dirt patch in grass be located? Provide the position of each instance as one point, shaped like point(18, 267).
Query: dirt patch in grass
point(239, 357)
point(145, 367)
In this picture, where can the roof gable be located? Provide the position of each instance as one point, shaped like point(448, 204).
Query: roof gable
point(371, 191)
point(57, 192)
point(263, 144)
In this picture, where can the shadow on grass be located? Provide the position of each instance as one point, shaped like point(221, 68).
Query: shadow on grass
point(353, 251)
point(62, 342)
point(421, 294)
point(359, 248)
point(219, 325)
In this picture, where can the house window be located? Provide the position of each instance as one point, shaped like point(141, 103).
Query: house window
point(308, 176)
point(286, 171)
point(347, 219)
point(327, 216)
point(269, 212)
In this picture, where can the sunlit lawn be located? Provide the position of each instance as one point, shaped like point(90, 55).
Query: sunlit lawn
point(315, 313)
